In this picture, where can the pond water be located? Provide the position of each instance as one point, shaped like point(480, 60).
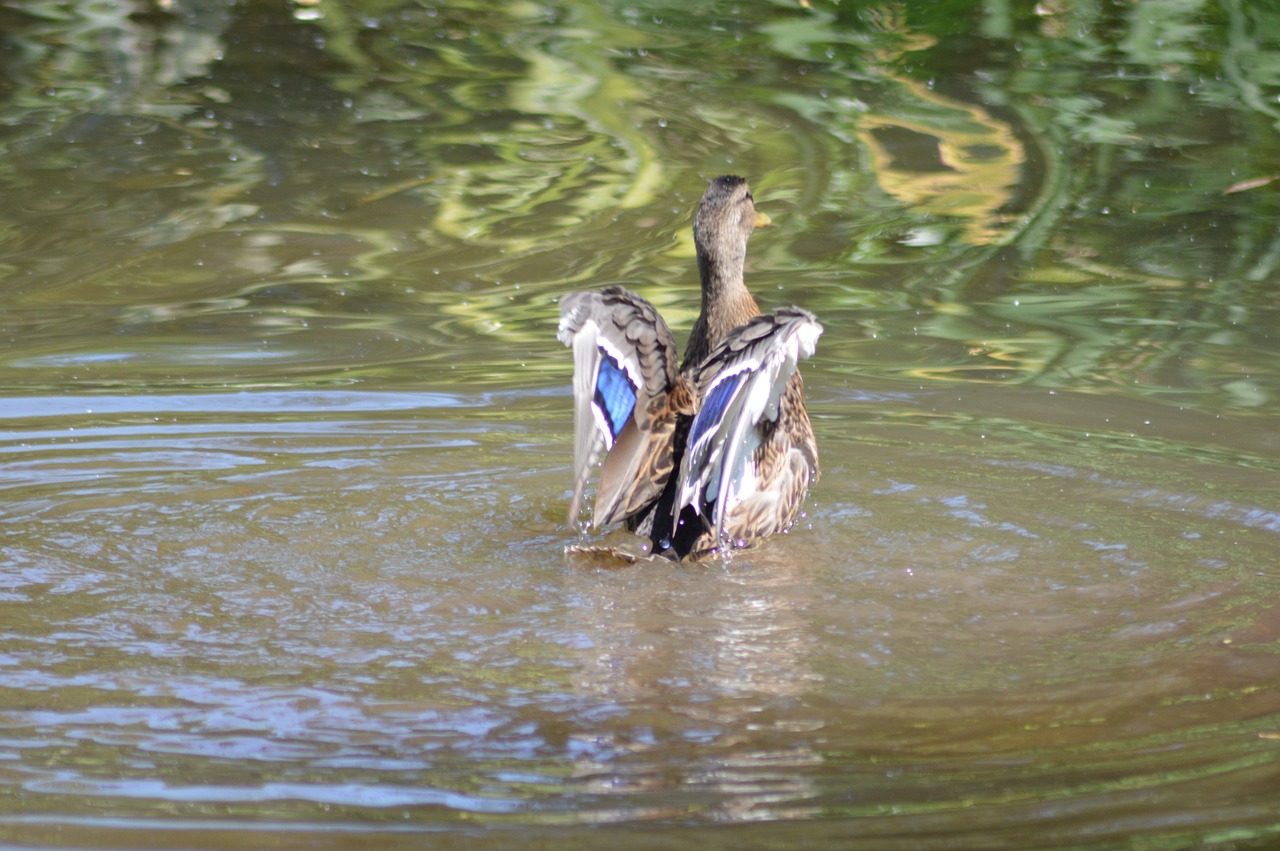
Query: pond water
point(285, 431)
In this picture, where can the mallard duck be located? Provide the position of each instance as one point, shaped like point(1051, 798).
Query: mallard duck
point(713, 455)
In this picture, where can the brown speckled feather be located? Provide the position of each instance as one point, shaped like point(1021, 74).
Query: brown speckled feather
point(639, 460)
point(752, 454)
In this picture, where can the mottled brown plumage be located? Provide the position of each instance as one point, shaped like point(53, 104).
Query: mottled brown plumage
point(640, 460)
point(786, 458)
point(720, 453)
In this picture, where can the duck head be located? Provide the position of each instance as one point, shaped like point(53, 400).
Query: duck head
point(724, 221)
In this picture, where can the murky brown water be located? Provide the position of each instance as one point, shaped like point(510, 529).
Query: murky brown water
point(284, 429)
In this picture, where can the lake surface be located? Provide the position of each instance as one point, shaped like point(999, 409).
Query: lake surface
point(285, 431)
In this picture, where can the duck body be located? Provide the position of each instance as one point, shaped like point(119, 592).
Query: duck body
point(716, 453)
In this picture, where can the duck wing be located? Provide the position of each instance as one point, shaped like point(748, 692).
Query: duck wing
point(624, 367)
point(741, 384)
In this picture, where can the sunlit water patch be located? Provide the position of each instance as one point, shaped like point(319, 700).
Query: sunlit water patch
point(356, 608)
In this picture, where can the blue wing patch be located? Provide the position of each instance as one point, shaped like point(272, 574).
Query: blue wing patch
point(615, 394)
point(712, 411)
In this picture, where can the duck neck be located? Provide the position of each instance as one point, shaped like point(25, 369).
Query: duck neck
point(726, 304)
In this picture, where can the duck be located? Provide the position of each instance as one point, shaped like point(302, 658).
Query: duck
point(710, 454)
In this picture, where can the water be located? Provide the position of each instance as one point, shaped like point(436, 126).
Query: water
point(285, 430)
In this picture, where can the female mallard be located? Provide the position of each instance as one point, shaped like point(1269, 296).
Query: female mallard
point(730, 422)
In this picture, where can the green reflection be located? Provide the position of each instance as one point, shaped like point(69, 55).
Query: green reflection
point(1006, 194)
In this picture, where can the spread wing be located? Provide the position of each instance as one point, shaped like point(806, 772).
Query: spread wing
point(741, 384)
point(624, 365)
